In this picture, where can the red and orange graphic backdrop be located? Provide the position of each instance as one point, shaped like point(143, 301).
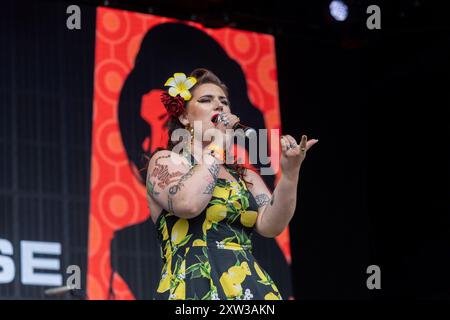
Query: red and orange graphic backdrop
point(118, 199)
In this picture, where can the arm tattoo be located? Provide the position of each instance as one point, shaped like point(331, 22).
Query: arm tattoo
point(174, 189)
point(262, 199)
point(151, 188)
point(162, 174)
point(214, 170)
point(210, 188)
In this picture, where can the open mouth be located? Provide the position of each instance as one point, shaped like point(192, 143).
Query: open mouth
point(214, 119)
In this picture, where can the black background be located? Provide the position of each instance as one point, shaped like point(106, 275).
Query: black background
point(375, 189)
point(46, 87)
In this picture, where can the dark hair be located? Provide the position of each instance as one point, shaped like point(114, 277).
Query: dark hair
point(203, 76)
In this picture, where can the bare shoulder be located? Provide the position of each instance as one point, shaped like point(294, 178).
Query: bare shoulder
point(167, 158)
point(165, 167)
point(258, 188)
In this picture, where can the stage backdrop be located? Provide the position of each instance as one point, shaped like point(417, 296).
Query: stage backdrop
point(134, 55)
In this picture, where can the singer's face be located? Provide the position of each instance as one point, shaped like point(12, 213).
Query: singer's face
point(207, 100)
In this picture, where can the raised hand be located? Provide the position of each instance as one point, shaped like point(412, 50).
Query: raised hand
point(293, 153)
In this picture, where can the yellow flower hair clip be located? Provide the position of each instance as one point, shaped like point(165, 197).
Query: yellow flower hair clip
point(180, 85)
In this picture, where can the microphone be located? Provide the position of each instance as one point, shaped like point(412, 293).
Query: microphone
point(59, 291)
point(247, 130)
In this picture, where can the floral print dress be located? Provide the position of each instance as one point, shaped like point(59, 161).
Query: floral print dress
point(209, 257)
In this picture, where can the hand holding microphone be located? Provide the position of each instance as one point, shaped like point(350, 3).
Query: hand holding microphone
point(225, 121)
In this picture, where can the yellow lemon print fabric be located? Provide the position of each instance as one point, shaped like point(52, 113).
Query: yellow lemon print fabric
point(209, 257)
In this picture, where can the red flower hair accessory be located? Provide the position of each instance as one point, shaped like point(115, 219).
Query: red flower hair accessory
point(173, 105)
point(178, 93)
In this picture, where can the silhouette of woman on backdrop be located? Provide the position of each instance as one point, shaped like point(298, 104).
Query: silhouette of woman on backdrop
point(135, 251)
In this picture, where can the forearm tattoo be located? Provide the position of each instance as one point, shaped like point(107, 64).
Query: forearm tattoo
point(162, 174)
point(151, 188)
point(214, 170)
point(262, 199)
point(210, 187)
point(175, 188)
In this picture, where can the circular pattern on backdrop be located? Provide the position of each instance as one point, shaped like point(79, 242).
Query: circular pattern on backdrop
point(109, 77)
point(242, 46)
point(109, 143)
point(95, 236)
point(114, 26)
point(105, 267)
point(132, 49)
point(267, 74)
point(255, 94)
point(140, 189)
point(95, 288)
point(118, 205)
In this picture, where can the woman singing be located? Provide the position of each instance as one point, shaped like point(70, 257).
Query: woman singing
point(206, 210)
